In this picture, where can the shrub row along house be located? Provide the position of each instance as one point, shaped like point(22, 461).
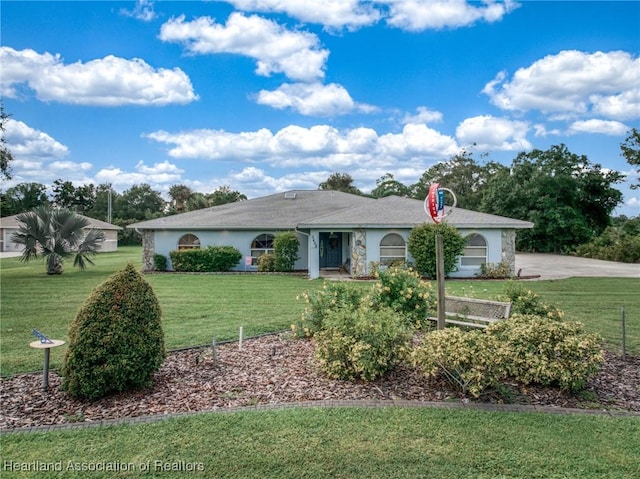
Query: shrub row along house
point(335, 230)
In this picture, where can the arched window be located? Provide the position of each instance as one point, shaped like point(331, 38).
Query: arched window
point(475, 252)
point(392, 249)
point(189, 241)
point(260, 245)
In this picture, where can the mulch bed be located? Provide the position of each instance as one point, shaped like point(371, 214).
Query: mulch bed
point(278, 369)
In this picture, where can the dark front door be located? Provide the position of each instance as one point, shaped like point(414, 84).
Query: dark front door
point(330, 250)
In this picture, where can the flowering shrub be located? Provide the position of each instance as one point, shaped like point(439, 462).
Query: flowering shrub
point(470, 360)
point(361, 343)
point(525, 301)
point(402, 289)
point(333, 296)
point(548, 352)
point(495, 270)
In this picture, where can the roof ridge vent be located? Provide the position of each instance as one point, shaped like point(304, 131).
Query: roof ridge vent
point(290, 195)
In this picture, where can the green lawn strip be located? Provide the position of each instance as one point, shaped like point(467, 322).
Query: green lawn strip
point(198, 307)
point(343, 443)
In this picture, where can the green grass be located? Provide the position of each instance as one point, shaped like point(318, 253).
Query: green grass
point(595, 302)
point(343, 443)
point(346, 443)
point(195, 307)
point(198, 307)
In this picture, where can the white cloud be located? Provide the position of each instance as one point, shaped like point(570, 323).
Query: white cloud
point(334, 14)
point(573, 83)
point(423, 115)
point(320, 145)
point(27, 143)
point(296, 54)
point(37, 157)
point(159, 176)
point(416, 15)
point(110, 81)
point(613, 128)
point(142, 11)
point(633, 202)
point(312, 99)
point(417, 141)
point(494, 134)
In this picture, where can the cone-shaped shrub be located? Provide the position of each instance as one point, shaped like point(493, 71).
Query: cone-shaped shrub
point(116, 342)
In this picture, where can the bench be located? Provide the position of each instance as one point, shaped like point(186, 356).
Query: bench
point(472, 312)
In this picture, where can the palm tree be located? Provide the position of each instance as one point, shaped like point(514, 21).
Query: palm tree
point(56, 234)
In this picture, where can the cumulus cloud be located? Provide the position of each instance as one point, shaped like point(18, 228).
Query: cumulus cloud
point(613, 128)
point(417, 15)
point(158, 175)
point(312, 99)
point(296, 54)
point(573, 83)
point(320, 146)
point(491, 134)
point(423, 115)
point(38, 157)
point(27, 143)
point(333, 14)
point(142, 11)
point(110, 81)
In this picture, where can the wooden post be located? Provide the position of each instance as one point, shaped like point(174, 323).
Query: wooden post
point(214, 353)
point(440, 280)
point(624, 337)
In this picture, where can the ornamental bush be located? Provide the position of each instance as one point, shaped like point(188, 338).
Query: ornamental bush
point(526, 302)
point(116, 342)
point(403, 290)
point(267, 263)
point(333, 296)
point(210, 259)
point(470, 360)
point(548, 352)
point(361, 344)
point(422, 246)
point(285, 248)
point(159, 262)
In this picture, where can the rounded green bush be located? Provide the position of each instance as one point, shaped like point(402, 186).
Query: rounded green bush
point(422, 246)
point(116, 339)
point(361, 344)
point(548, 352)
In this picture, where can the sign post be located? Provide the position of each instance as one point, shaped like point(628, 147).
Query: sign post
point(435, 208)
point(440, 280)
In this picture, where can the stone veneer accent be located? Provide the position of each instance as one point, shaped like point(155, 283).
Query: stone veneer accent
point(359, 253)
point(148, 250)
point(509, 249)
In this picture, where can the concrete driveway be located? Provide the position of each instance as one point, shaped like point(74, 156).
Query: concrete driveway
point(554, 266)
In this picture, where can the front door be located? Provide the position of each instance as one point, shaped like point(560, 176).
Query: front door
point(330, 250)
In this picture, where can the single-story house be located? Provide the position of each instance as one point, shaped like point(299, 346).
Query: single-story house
point(335, 230)
point(10, 225)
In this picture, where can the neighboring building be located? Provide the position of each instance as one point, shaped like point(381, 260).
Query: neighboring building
point(335, 230)
point(10, 225)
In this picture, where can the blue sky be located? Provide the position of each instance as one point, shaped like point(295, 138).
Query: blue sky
point(271, 95)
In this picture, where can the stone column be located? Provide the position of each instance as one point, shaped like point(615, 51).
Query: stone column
point(509, 249)
point(359, 253)
point(148, 250)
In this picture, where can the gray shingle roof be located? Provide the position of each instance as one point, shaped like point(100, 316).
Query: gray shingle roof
point(12, 222)
point(398, 212)
point(277, 211)
point(321, 209)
